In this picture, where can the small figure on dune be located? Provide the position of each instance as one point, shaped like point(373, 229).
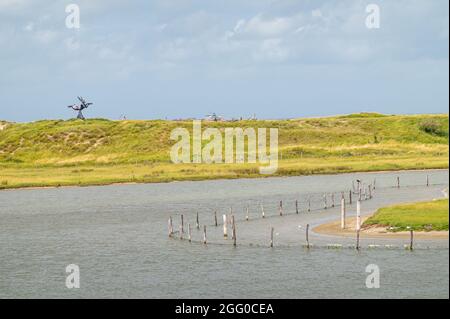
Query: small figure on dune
point(80, 107)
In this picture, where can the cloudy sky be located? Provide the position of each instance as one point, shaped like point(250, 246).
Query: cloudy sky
point(187, 58)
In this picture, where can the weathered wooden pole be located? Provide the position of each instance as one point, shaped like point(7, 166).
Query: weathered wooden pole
point(307, 236)
point(296, 206)
point(170, 225)
point(332, 200)
point(374, 183)
point(370, 191)
point(411, 244)
point(198, 222)
point(181, 232)
point(231, 224)
point(263, 215)
point(357, 239)
point(325, 205)
point(309, 204)
point(271, 237)
point(281, 208)
point(428, 180)
point(215, 218)
point(247, 214)
point(204, 234)
point(350, 198)
point(234, 232)
point(225, 225)
point(189, 233)
point(182, 223)
point(343, 213)
point(358, 215)
point(398, 181)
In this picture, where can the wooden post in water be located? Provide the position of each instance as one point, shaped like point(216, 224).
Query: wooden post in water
point(215, 218)
point(398, 181)
point(358, 215)
point(325, 205)
point(170, 225)
point(307, 236)
point(189, 233)
point(374, 183)
point(370, 191)
point(232, 226)
point(357, 239)
point(309, 204)
point(343, 213)
point(332, 200)
point(198, 222)
point(182, 223)
point(204, 234)
point(234, 232)
point(247, 214)
point(281, 208)
point(428, 180)
point(296, 206)
point(263, 215)
point(411, 243)
point(271, 237)
point(350, 198)
point(181, 232)
point(225, 225)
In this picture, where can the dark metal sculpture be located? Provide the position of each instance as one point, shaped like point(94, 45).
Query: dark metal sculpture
point(80, 107)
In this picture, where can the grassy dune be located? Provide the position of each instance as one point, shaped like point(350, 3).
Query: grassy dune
point(419, 216)
point(98, 151)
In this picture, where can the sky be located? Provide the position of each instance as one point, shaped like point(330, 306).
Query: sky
point(158, 59)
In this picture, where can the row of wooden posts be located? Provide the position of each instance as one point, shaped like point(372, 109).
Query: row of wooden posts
point(234, 238)
point(231, 219)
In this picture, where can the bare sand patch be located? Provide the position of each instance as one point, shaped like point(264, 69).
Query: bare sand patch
point(334, 228)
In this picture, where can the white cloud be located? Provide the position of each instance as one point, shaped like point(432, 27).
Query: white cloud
point(272, 50)
point(72, 44)
point(45, 36)
point(29, 27)
point(11, 4)
point(316, 13)
point(264, 27)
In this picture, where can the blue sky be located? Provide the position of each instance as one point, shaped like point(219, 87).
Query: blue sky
point(187, 58)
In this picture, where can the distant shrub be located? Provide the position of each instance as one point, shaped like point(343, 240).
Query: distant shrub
point(4, 183)
point(433, 127)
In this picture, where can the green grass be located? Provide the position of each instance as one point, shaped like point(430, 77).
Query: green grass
point(423, 216)
point(99, 151)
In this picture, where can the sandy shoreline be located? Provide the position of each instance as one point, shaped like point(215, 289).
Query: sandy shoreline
point(210, 179)
point(334, 228)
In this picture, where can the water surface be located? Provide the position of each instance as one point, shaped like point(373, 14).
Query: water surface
point(118, 237)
